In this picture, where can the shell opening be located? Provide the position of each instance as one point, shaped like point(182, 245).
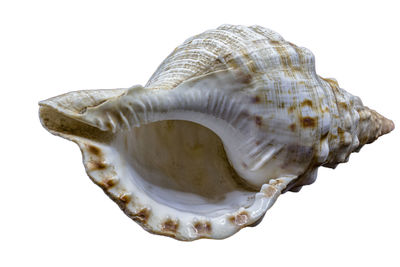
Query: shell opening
point(183, 165)
point(170, 174)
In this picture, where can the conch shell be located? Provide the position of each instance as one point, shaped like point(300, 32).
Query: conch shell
point(230, 120)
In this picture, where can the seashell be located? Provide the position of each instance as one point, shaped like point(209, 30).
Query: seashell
point(230, 120)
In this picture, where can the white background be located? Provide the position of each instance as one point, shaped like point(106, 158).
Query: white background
point(51, 214)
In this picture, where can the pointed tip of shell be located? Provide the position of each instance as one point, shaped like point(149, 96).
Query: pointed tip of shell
point(383, 124)
point(387, 126)
point(373, 125)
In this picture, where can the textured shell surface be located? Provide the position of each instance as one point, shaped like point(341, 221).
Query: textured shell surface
point(230, 120)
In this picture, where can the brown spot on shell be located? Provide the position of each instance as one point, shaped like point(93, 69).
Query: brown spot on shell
point(343, 105)
point(255, 99)
point(109, 182)
point(94, 150)
point(274, 42)
point(331, 82)
point(96, 165)
point(142, 216)
point(275, 182)
point(292, 127)
point(258, 120)
point(291, 109)
point(109, 125)
point(125, 197)
point(239, 219)
point(170, 226)
point(307, 102)
point(202, 227)
point(308, 122)
point(270, 191)
point(245, 78)
point(324, 136)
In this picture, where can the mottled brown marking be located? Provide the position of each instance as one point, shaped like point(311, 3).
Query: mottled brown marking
point(94, 150)
point(170, 226)
point(324, 136)
point(331, 82)
point(245, 78)
point(258, 120)
point(255, 99)
point(125, 197)
point(244, 165)
point(274, 42)
point(142, 216)
point(109, 125)
point(308, 122)
point(275, 182)
point(343, 105)
point(291, 109)
point(202, 227)
point(109, 182)
point(281, 105)
point(258, 142)
point(239, 219)
point(307, 102)
point(96, 165)
point(292, 127)
point(270, 191)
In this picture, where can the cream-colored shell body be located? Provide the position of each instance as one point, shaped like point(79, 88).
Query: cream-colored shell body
point(277, 121)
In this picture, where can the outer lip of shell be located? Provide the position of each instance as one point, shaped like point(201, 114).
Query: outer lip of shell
point(160, 219)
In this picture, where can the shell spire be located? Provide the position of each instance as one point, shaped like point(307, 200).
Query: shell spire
point(229, 121)
point(372, 125)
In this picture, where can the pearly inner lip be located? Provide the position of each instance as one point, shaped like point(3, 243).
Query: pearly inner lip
point(183, 165)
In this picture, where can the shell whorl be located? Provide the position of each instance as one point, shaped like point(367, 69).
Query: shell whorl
point(276, 70)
